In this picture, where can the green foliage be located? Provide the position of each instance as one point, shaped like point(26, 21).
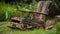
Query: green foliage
point(54, 8)
point(11, 10)
point(58, 28)
point(6, 8)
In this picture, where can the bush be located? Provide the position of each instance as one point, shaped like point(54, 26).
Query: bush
point(7, 11)
point(6, 8)
point(58, 28)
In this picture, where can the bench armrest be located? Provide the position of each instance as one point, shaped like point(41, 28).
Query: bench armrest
point(31, 12)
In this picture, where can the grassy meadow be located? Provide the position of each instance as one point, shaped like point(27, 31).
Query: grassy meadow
point(4, 29)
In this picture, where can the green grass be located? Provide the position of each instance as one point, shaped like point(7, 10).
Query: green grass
point(5, 30)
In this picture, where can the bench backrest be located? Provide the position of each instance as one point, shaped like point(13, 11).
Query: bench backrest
point(41, 8)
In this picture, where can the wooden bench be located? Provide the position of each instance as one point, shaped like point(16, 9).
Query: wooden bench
point(39, 13)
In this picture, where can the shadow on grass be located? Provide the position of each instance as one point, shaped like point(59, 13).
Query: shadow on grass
point(16, 28)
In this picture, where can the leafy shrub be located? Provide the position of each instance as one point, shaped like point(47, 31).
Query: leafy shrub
point(10, 10)
point(6, 8)
point(58, 28)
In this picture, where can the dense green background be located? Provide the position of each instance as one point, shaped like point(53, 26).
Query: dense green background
point(10, 7)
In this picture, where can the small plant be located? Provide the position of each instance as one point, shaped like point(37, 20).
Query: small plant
point(58, 28)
